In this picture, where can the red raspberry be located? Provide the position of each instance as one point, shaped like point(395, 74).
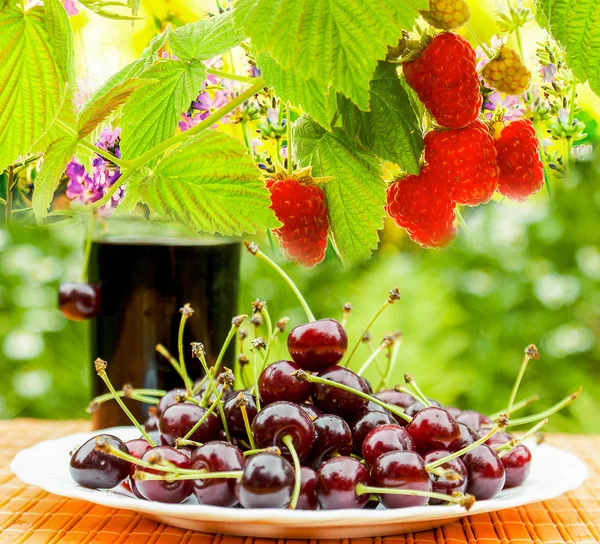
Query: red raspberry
point(521, 169)
point(467, 157)
point(445, 79)
point(421, 205)
point(303, 211)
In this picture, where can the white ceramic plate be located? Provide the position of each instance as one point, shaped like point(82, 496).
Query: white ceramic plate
point(46, 465)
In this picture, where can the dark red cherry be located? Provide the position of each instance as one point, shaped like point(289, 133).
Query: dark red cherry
point(517, 465)
point(336, 483)
point(277, 383)
point(279, 419)
point(442, 484)
point(96, 469)
point(78, 301)
point(453, 411)
point(168, 400)
point(467, 437)
point(268, 482)
point(308, 492)
point(385, 439)
point(312, 411)
point(498, 439)
point(317, 345)
point(200, 393)
point(397, 398)
point(401, 470)
point(365, 424)
point(233, 414)
point(162, 490)
point(216, 457)
point(333, 437)
point(416, 406)
point(177, 420)
point(336, 401)
point(137, 447)
point(433, 428)
point(474, 419)
point(486, 472)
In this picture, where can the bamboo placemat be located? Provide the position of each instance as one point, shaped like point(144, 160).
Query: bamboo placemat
point(28, 514)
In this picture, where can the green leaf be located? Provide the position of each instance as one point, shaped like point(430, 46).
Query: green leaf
point(356, 195)
point(315, 99)
point(33, 89)
point(336, 42)
point(55, 160)
point(61, 38)
point(151, 115)
point(575, 24)
point(206, 39)
point(156, 44)
point(391, 129)
point(211, 184)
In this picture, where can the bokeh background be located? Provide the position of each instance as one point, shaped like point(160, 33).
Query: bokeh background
point(524, 273)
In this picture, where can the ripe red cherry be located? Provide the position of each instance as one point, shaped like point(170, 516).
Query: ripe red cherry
point(168, 399)
point(312, 411)
point(333, 437)
point(78, 301)
point(499, 438)
point(467, 437)
point(268, 482)
point(401, 470)
point(336, 483)
point(162, 490)
point(137, 447)
point(96, 469)
point(385, 439)
point(397, 398)
point(453, 411)
point(474, 419)
point(233, 414)
point(417, 406)
point(441, 484)
point(308, 492)
point(486, 472)
point(216, 457)
point(365, 424)
point(317, 345)
point(277, 383)
point(517, 465)
point(177, 420)
point(336, 401)
point(433, 428)
point(279, 419)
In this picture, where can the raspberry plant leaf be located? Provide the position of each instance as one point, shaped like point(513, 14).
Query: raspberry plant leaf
point(356, 194)
point(329, 40)
point(151, 115)
point(209, 183)
point(60, 37)
point(391, 129)
point(575, 24)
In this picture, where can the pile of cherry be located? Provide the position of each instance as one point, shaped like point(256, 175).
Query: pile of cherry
point(307, 433)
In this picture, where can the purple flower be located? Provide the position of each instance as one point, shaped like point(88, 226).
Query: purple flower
point(70, 7)
point(513, 108)
point(548, 73)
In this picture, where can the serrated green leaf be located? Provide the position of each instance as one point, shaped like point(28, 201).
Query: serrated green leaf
point(33, 89)
point(151, 115)
point(156, 44)
point(315, 99)
point(211, 184)
point(336, 42)
point(55, 160)
point(96, 112)
point(575, 24)
point(206, 39)
point(356, 195)
point(133, 192)
point(391, 129)
point(60, 37)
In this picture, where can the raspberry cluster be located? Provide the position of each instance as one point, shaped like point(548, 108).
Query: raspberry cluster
point(507, 73)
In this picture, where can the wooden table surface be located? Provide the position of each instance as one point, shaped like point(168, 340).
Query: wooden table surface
point(28, 514)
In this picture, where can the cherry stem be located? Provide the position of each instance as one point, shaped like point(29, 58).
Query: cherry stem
point(289, 442)
point(362, 489)
point(167, 355)
point(371, 358)
point(200, 383)
point(346, 312)
point(244, 412)
point(530, 353)
point(185, 314)
point(192, 475)
point(517, 406)
point(207, 413)
point(410, 380)
point(180, 442)
point(271, 449)
point(230, 336)
point(508, 447)
point(101, 371)
point(546, 413)
point(449, 474)
point(391, 363)
point(146, 393)
point(255, 378)
point(255, 250)
point(402, 389)
point(270, 334)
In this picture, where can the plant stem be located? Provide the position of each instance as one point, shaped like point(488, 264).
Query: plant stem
point(288, 126)
point(481, 44)
point(546, 413)
point(244, 412)
point(517, 406)
point(167, 355)
point(233, 77)
point(516, 442)
point(413, 383)
point(87, 249)
point(139, 392)
point(391, 363)
point(9, 195)
point(205, 415)
point(194, 475)
point(289, 442)
point(186, 378)
point(362, 489)
point(529, 354)
point(372, 357)
point(462, 222)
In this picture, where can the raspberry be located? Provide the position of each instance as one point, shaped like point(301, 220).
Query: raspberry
point(447, 14)
point(445, 79)
point(506, 73)
point(303, 211)
point(421, 205)
point(521, 169)
point(467, 157)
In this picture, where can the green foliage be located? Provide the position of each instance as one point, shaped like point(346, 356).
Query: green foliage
point(60, 38)
point(356, 195)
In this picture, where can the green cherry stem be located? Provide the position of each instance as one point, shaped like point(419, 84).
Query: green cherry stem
point(193, 475)
point(546, 413)
point(207, 413)
point(463, 500)
point(146, 393)
point(410, 380)
point(517, 406)
point(181, 442)
point(186, 313)
point(402, 389)
point(242, 405)
point(265, 313)
point(515, 442)
point(289, 442)
point(346, 312)
point(374, 354)
point(391, 364)
point(167, 355)
point(271, 449)
point(531, 352)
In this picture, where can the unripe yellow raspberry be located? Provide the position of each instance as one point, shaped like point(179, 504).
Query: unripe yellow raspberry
point(507, 73)
point(447, 14)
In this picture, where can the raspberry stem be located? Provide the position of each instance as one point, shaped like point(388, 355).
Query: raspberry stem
point(288, 126)
point(481, 44)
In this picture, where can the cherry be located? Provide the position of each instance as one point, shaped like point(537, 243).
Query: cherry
point(169, 399)
point(336, 483)
point(517, 465)
point(453, 411)
point(280, 419)
point(96, 469)
point(312, 411)
point(163, 490)
point(137, 447)
point(467, 437)
point(308, 493)
point(498, 439)
point(444, 484)
point(385, 439)
point(211, 398)
point(216, 457)
point(267, 482)
point(233, 414)
point(401, 470)
point(433, 428)
point(177, 420)
point(277, 383)
point(486, 472)
point(336, 401)
point(317, 345)
point(474, 419)
point(397, 398)
point(366, 423)
point(417, 406)
point(333, 437)
point(79, 301)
